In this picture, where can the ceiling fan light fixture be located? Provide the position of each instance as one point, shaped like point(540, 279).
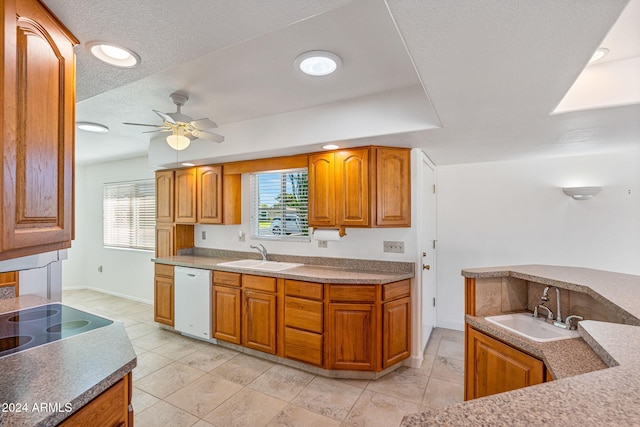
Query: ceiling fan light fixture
point(318, 62)
point(114, 54)
point(178, 142)
point(92, 127)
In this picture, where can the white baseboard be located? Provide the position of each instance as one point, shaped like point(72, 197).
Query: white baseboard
point(104, 291)
point(451, 325)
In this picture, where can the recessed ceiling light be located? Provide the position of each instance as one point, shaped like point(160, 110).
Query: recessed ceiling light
point(318, 62)
point(188, 164)
point(92, 127)
point(330, 147)
point(598, 54)
point(113, 54)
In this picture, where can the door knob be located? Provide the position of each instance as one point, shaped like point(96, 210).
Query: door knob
point(426, 267)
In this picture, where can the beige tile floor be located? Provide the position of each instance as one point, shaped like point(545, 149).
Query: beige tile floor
point(185, 382)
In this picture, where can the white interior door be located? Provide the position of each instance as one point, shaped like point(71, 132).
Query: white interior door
point(427, 256)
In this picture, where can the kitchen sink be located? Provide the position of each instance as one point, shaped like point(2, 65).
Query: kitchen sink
point(535, 329)
point(258, 264)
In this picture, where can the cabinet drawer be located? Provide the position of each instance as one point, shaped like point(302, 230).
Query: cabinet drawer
point(225, 278)
point(259, 283)
point(360, 293)
point(303, 314)
point(300, 289)
point(303, 346)
point(164, 270)
point(396, 290)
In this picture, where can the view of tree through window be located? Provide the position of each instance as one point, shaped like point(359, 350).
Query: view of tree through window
point(280, 205)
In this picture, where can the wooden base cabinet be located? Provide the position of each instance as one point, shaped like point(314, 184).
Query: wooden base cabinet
point(304, 322)
point(352, 337)
point(260, 316)
point(396, 321)
point(495, 367)
point(227, 307)
point(163, 296)
point(112, 408)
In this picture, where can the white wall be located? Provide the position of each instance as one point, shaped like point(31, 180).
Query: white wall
point(508, 213)
point(127, 273)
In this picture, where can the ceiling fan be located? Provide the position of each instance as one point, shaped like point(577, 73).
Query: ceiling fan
point(182, 127)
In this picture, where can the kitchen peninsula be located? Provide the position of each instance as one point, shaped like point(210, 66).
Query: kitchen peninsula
point(333, 317)
point(582, 390)
point(79, 380)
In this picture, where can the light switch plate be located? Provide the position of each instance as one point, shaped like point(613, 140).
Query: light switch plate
point(393, 247)
point(322, 243)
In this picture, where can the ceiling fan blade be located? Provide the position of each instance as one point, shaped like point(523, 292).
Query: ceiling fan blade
point(208, 136)
point(157, 130)
point(142, 124)
point(165, 117)
point(203, 124)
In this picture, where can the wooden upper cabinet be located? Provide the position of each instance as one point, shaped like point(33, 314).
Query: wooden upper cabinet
point(37, 122)
point(164, 196)
point(322, 192)
point(352, 187)
point(393, 187)
point(209, 195)
point(185, 196)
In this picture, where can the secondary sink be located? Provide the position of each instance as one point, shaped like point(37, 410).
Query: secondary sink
point(258, 264)
point(535, 329)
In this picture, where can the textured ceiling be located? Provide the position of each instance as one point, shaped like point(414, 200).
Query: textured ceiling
point(480, 79)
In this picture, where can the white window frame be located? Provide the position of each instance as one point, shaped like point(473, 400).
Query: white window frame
point(262, 213)
point(129, 215)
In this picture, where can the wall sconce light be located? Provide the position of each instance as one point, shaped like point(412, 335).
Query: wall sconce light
point(582, 193)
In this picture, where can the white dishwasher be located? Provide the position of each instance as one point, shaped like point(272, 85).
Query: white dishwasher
point(193, 301)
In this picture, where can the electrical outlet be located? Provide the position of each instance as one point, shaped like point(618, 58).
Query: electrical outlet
point(393, 247)
point(241, 236)
point(322, 243)
point(204, 235)
point(99, 269)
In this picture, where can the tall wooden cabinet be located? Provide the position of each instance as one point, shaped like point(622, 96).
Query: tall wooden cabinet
point(360, 187)
point(37, 123)
point(163, 296)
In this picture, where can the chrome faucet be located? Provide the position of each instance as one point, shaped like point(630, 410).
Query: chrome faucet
point(260, 248)
point(545, 298)
point(570, 318)
point(549, 313)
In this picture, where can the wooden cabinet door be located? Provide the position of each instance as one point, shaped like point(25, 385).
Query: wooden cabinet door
point(37, 124)
point(259, 321)
point(322, 196)
point(164, 196)
point(393, 187)
point(352, 187)
point(396, 335)
point(165, 244)
point(350, 337)
point(226, 314)
point(111, 408)
point(209, 195)
point(185, 196)
point(163, 304)
point(494, 367)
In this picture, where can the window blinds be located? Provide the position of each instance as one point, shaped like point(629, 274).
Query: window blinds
point(129, 214)
point(280, 205)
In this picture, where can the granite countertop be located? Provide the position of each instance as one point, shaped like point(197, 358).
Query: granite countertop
point(601, 397)
point(72, 370)
point(361, 273)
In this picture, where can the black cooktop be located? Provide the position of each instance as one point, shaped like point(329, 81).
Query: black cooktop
point(31, 327)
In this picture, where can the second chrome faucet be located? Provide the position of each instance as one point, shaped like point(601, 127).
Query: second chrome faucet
point(567, 323)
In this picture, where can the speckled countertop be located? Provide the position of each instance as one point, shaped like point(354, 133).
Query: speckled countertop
point(72, 370)
point(342, 271)
point(602, 397)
